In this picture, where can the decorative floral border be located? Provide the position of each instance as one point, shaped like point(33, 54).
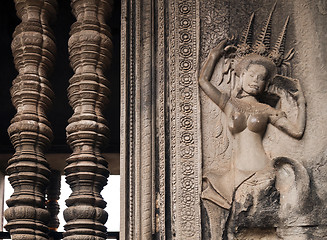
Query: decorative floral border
point(184, 139)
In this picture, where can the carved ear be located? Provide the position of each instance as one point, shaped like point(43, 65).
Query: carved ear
point(292, 181)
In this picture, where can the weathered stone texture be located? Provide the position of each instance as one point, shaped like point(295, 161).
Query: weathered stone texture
point(306, 33)
point(52, 197)
point(173, 135)
point(34, 50)
point(86, 171)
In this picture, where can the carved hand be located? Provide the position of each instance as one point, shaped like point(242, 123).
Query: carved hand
point(229, 49)
point(222, 49)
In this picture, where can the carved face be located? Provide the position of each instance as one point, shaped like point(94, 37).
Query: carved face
point(254, 79)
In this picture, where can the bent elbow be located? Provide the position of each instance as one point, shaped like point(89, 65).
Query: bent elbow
point(298, 134)
point(202, 82)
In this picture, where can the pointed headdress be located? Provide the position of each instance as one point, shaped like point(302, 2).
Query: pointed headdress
point(260, 51)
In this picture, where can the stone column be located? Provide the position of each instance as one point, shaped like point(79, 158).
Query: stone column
point(53, 195)
point(90, 54)
point(33, 48)
point(2, 189)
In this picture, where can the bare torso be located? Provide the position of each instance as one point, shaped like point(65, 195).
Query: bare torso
point(247, 121)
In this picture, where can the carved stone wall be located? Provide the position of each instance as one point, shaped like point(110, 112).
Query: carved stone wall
point(137, 141)
point(173, 134)
point(184, 125)
point(220, 19)
point(160, 150)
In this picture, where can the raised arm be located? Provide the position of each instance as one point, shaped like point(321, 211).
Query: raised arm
point(206, 73)
point(294, 129)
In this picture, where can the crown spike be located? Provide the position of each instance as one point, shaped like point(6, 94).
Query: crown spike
point(248, 32)
point(279, 47)
point(263, 41)
point(244, 47)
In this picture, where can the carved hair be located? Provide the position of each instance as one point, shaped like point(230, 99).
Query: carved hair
point(246, 61)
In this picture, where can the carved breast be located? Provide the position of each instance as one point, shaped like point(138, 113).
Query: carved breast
point(257, 123)
point(238, 121)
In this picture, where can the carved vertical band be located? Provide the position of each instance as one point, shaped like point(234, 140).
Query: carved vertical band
point(33, 48)
point(138, 145)
point(184, 118)
point(161, 118)
point(86, 171)
point(145, 116)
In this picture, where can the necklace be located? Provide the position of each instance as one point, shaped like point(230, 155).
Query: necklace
point(246, 107)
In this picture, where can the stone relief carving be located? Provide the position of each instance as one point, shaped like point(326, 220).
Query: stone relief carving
point(255, 191)
point(173, 89)
point(183, 94)
point(185, 32)
point(322, 6)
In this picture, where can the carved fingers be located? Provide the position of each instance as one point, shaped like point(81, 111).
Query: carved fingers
point(225, 47)
point(230, 49)
point(230, 45)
